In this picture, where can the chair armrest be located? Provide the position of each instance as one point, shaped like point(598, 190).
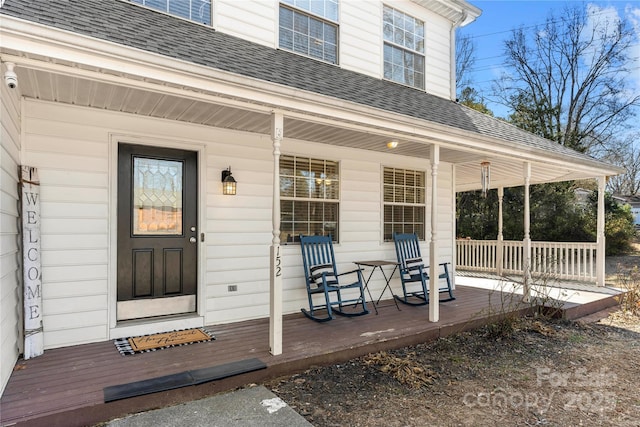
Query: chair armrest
point(350, 272)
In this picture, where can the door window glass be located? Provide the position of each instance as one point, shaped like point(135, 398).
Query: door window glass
point(157, 196)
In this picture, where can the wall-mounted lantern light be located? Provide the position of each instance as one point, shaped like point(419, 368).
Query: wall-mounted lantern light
point(228, 183)
point(485, 177)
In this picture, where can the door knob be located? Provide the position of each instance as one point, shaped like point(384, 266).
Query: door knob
point(192, 239)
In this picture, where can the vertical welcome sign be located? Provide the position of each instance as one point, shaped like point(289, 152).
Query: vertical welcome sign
point(31, 265)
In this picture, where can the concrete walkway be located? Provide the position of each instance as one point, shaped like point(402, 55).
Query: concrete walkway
point(248, 407)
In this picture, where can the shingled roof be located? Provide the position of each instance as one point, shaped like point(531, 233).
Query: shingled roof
point(129, 25)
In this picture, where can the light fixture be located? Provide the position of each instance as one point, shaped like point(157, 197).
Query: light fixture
point(392, 144)
point(485, 177)
point(228, 183)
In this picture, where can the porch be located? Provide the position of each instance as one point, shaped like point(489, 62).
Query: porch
point(65, 385)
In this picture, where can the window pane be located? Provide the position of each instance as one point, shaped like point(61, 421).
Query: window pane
point(306, 34)
point(403, 197)
point(403, 61)
point(201, 11)
point(325, 8)
point(286, 186)
point(180, 8)
point(194, 10)
point(305, 184)
point(157, 197)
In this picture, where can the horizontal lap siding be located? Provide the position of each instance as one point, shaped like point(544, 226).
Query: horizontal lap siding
point(438, 56)
point(252, 20)
point(361, 37)
point(71, 151)
point(10, 275)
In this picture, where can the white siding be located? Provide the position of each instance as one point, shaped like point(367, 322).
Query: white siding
point(438, 56)
point(70, 146)
point(361, 37)
point(10, 277)
point(254, 20)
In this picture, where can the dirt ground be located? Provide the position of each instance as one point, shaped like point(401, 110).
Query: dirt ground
point(520, 373)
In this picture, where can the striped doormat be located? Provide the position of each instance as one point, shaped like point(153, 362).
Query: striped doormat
point(153, 342)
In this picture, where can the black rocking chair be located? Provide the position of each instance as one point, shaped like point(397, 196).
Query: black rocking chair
point(322, 278)
point(413, 271)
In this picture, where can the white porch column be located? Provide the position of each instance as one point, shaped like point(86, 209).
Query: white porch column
point(600, 238)
point(527, 235)
point(454, 208)
point(275, 279)
point(434, 297)
point(499, 249)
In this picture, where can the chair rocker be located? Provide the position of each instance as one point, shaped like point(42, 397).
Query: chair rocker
point(322, 278)
point(413, 270)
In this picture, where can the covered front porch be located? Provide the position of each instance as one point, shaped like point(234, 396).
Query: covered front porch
point(65, 385)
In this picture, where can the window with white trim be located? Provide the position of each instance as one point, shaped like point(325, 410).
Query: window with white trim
point(310, 27)
point(193, 10)
point(404, 202)
point(404, 57)
point(309, 198)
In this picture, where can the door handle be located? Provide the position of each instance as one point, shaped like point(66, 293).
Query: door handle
point(193, 240)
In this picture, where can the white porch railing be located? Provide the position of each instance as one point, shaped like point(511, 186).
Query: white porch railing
point(558, 260)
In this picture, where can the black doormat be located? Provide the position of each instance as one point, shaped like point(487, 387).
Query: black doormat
point(153, 342)
point(182, 379)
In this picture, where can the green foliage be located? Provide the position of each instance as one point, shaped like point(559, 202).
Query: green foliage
point(619, 226)
point(555, 216)
point(469, 97)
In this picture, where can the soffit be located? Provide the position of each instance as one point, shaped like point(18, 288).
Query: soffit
point(49, 86)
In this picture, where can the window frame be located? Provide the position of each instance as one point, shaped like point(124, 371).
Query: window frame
point(404, 204)
point(404, 49)
point(325, 21)
point(335, 202)
point(167, 11)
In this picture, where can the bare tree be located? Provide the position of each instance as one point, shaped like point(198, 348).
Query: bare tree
point(465, 59)
point(567, 78)
point(625, 153)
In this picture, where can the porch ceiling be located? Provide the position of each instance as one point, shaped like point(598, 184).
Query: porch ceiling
point(212, 110)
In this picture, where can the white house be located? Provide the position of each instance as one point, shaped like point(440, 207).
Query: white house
point(334, 116)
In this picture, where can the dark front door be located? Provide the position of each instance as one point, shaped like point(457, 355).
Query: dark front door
point(157, 231)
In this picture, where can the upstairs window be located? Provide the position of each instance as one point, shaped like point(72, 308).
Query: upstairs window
point(403, 48)
point(310, 27)
point(404, 199)
point(309, 198)
point(193, 10)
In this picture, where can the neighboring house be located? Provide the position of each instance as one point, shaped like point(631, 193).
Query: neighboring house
point(634, 204)
point(337, 119)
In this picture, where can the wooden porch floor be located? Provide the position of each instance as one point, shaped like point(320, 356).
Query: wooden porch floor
point(64, 387)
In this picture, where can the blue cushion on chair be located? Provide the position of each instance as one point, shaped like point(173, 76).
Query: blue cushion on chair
point(318, 270)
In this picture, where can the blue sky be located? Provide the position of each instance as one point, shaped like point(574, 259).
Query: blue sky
point(499, 17)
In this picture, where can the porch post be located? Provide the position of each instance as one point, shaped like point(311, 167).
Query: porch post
point(499, 250)
point(527, 235)
point(600, 237)
point(454, 263)
point(434, 297)
point(275, 279)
